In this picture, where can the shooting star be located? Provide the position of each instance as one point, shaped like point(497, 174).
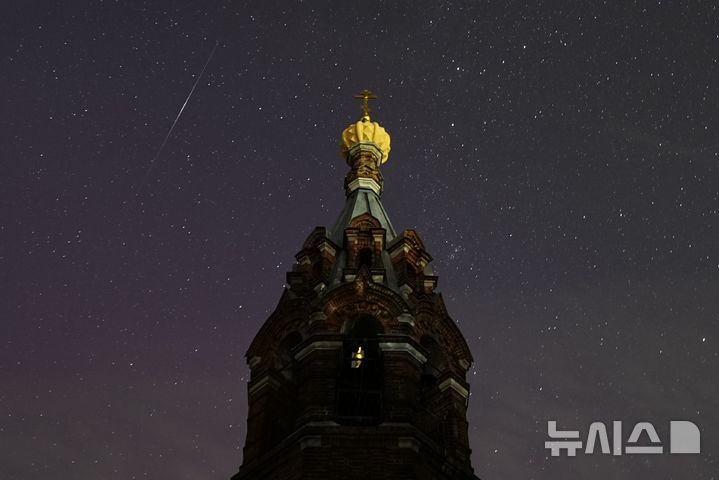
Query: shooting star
point(179, 114)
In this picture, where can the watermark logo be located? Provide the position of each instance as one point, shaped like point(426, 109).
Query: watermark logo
point(684, 437)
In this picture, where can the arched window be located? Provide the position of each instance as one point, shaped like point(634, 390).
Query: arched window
point(364, 257)
point(283, 403)
point(436, 363)
point(285, 361)
point(317, 269)
point(360, 379)
point(430, 395)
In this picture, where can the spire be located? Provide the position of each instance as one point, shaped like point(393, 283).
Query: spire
point(360, 360)
point(365, 146)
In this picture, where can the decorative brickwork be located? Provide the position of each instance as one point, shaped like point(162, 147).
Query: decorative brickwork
point(364, 164)
point(359, 373)
point(411, 423)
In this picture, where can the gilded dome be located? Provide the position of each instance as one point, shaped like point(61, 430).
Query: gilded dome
point(366, 131)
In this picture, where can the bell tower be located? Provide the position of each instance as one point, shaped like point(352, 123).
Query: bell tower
point(359, 373)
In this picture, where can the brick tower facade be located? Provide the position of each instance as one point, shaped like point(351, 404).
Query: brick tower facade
point(359, 373)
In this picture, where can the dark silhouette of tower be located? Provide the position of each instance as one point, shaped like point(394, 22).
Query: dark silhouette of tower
point(359, 373)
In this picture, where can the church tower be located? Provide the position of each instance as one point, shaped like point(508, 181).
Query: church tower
point(359, 373)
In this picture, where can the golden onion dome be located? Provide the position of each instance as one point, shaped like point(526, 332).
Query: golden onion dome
point(366, 131)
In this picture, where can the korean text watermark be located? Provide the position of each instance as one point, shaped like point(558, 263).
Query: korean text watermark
point(684, 437)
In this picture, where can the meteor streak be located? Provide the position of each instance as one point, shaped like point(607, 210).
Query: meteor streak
point(182, 109)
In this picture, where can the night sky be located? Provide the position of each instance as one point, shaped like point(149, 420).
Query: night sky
point(560, 161)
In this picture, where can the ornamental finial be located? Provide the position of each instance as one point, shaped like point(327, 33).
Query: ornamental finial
point(365, 143)
point(365, 95)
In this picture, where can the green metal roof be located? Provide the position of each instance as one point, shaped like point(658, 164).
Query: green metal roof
point(361, 201)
